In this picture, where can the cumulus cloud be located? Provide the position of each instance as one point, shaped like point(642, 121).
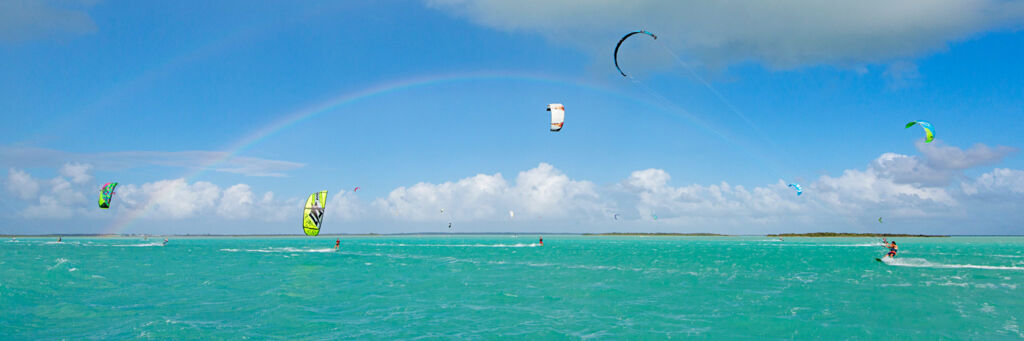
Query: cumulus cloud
point(647, 194)
point(28, 20)
point(539, 192)
point(177, 199)
point(21, 184)
point(174, 199)
point(926, 191)
point(938, 164)
point(61, 202)
point(780, 34)
point(239, 202)
point(78, 172)
point(345, 206)
point(945, 157)
point(999, 182)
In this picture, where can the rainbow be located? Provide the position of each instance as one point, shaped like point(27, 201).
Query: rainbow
point(293, 118)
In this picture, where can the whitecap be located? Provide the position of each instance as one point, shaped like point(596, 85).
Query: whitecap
point(923, 263)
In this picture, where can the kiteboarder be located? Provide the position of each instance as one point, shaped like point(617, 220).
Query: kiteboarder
point(58, 239)
point(892, 249)
point(337, 244)
point(165, 241)
point(541, 240)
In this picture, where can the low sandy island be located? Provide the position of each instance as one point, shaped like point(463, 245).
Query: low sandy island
point(656, 234)
point(847, 234)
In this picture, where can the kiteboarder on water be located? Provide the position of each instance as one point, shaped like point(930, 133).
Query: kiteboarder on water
point(165, 241)
point(541, 240)
point(892, 249)
point(337, 244)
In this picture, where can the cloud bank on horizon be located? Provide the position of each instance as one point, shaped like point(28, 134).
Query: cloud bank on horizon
point(913, 193)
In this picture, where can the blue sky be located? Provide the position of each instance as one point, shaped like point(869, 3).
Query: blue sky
point(201, 109)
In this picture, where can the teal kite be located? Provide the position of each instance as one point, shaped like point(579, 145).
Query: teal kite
point(796, 186)
point(929, 132)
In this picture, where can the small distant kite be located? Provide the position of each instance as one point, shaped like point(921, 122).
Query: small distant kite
point(616, 54)
point(615, 216)
point(879, 220)
point(929, 132)
point(796, 186)
point(356, 189)
point(511, 215)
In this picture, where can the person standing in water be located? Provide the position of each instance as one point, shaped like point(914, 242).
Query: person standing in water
point(337, 244)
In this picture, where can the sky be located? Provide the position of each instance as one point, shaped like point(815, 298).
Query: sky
point(222, 117)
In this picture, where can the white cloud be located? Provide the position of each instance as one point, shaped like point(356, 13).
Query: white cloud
point(696, 203)
point(61, 202)
point(238, 202)
point(27, 20)
point(539, 192)
point(939, 164)
point(160, 200)
point(345, 206)
point(952, 158)
point(173, 199)
point(780, 34)
point(910, 169)
point(926, 192)
point(78, 172)
point(21, 184)
point(177, 199)
point(998, 182)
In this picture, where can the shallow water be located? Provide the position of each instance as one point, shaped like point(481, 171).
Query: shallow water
point(489, 286)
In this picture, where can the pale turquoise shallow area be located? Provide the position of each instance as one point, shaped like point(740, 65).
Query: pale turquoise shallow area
point(484, 287)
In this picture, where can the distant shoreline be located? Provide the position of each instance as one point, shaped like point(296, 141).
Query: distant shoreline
point(701, 234)
point(847, 234)
point(607, 234)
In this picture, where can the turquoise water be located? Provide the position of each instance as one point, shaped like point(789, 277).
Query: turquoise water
point(492, 286)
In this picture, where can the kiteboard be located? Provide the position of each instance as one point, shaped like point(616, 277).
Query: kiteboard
point(879, 259)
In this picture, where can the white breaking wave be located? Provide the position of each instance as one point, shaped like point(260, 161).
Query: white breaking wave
point(279, 250)
point(59, 262)
point(836, 245)
point(923, 263)
point(139, 245)
point(463, 245)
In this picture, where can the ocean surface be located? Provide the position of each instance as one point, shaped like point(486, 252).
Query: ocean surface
point(485, 287)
